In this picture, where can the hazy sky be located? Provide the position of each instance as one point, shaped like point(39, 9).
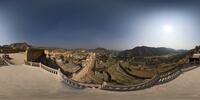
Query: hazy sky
point(113, 24)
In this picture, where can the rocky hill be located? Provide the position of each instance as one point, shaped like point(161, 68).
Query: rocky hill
point(20, 46)
point(101, 51)
point(15, 47)
point(146, 51)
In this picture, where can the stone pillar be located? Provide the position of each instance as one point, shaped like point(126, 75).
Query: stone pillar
point(74, 74)
point(103, 84)
point(59, 74)
point(40, 65)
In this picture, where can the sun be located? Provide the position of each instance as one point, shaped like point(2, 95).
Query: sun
point(167, 28)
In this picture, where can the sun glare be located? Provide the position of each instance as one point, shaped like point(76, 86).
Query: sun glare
point(168, 28)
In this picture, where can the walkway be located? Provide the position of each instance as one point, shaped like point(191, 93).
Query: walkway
point(25, 82)
point(34, 83)
point(28, 81)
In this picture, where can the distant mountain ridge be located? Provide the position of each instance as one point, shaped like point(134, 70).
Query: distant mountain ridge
point(16, 46)
point(20, 46)
point(139, 51)
point(147, 51)
point(100, 50)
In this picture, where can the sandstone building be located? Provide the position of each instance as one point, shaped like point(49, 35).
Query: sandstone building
point(35, 55)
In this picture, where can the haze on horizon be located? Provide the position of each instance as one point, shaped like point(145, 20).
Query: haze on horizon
point(101, 23)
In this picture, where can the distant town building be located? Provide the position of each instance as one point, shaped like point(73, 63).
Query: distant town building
point(195, 58)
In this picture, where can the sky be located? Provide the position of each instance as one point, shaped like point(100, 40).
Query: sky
point(112, 24)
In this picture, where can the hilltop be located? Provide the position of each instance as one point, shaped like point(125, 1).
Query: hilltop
point(15, 47)
point(142, 51)
point(20, 46)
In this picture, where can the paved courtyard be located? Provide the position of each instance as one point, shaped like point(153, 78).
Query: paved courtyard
point(25, 82)
point(20, 81)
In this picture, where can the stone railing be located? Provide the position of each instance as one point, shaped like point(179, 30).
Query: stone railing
point(140, 86)
point(169, 76)
point(91, 85)
point(156, 80)
point(58, 73)
point(7, 61)
point(33, 64)
point(2, 62)
point(165, 74)
point(51, 70)
point(70, 82)
point(188, 68)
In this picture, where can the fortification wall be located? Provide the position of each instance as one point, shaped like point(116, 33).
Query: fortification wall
point(87, 70)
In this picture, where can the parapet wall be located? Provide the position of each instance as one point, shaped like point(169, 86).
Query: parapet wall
point(3, 62)
point(156, 80)
point(59, 74)
point(169, 76)
point(7, 61)
point(140, 86)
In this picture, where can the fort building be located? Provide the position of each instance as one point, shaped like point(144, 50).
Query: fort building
point(35, 55)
